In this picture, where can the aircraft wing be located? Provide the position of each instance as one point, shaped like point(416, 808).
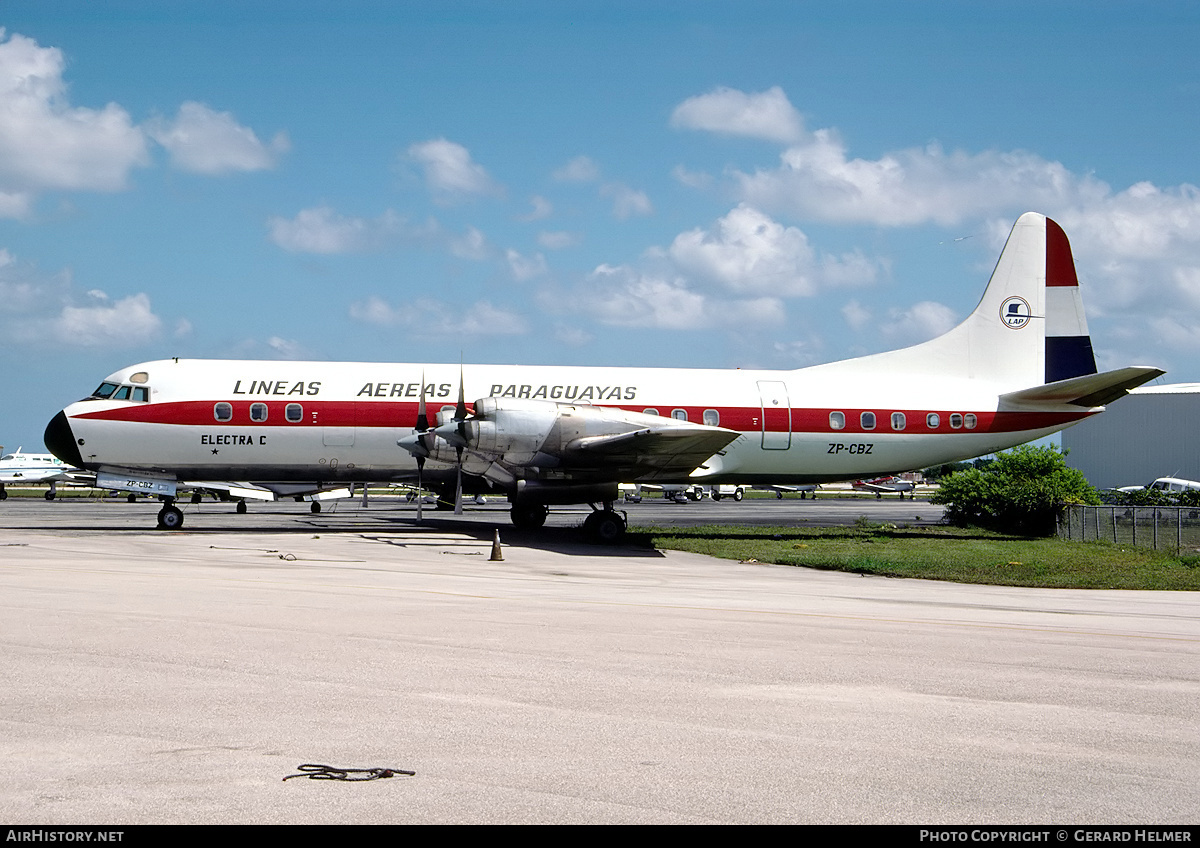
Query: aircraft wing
point(1089, 390)
point(674, 448)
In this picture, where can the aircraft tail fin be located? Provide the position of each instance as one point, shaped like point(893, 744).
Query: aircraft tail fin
point(1028, 329)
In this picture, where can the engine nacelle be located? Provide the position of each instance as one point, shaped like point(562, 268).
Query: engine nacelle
point(525, 433)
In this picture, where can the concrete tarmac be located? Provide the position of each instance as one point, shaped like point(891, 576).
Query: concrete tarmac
point(153, 677)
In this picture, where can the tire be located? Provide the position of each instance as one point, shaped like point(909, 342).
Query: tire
point(604, 527)
point(738, 494)
point(170, 518)
point(528, 516)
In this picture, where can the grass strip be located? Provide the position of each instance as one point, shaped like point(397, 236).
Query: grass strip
point(937, 553)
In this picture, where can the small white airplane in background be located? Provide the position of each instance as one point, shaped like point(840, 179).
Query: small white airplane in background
point(1019, 368)
point(885, 485)
point(20, 467)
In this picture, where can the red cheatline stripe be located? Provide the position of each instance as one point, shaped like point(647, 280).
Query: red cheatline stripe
point(398, 415)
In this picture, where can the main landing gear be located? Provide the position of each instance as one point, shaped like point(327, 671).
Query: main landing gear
point(605, 526)
point(170, 517)
point(602, 527)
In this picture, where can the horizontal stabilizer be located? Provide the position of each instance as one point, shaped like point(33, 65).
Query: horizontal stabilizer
point(681, 447)
point(1089, 390)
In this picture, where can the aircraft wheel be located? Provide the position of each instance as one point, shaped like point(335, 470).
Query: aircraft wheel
point(604, 527)
point(49, 496)
point(528, 516)
point(779, 496)
point(241, 508)
point(716, 496)
point(132, 498)
point(738, 494)
point(3, 495)
point(315, 508)
point(196, 497)
point(170, 518)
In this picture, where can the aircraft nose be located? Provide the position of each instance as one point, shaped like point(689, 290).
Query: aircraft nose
point(60, 440)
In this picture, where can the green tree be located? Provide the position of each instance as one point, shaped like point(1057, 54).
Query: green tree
point(1021, 492)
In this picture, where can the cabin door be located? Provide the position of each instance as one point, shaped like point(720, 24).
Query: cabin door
point(776, 415)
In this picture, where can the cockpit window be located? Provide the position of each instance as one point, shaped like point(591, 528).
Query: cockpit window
point(115, 391)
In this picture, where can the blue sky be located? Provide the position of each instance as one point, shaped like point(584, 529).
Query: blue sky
point(752, 184)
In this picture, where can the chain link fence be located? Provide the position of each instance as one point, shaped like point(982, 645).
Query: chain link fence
point(1175, 528)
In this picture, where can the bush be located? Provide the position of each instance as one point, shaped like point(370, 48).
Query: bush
point(1020, 492)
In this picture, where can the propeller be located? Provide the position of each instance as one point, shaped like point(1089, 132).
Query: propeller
point(419, 444)
point(454, 432)
point(460, 430)
point(422, 428)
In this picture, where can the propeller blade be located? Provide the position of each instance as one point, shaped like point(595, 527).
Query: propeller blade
point(460, 411)
point(422, 416)
point(420, 494)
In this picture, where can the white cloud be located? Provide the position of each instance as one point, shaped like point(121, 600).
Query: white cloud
point(450, 173)
point(627, 202)
point(48, 144)
point(749, 253)
point(432, 318)
point(472, 245)
point(321, 230)
point(541, 209)
point(102, 323)
point(581, 169)
point(525, 267)
point(558, 240)
point(918, 323)
point(41, 310)
point(817, 180)
point(572, 336)
point(205, 141)
point(624, 296)
point(767, 115)
point(856, 315)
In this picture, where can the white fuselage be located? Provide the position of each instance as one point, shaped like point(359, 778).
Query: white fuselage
point(217, 419)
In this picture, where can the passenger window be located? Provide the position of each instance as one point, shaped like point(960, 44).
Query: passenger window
point(898, 421)
point(223, 411)
point(955, 420)
point(837, 420)
point(712, 418)
point(258, 412)
point(867, 420)
point(679, 414)
point(933, 421)
point(141, 394)
point(294, 412)
point(650, 410)
point(970, 420)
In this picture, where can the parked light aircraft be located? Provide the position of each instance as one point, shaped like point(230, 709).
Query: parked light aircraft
point(1018, 368)
point(21, 467)
point(880, 485)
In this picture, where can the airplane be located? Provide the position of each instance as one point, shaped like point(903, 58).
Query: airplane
point(882, 485)
point(1019, 368)
point(21, 467)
